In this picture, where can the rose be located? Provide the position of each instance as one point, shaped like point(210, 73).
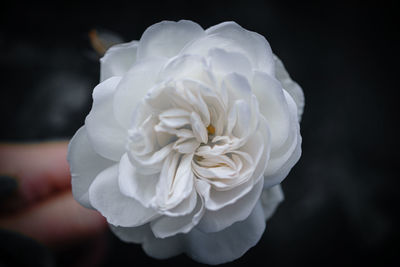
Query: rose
point(189, 136)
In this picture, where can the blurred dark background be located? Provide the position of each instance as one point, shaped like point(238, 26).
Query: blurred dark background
point(341, 198)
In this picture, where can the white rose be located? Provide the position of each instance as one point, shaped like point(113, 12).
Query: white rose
point(190, 134)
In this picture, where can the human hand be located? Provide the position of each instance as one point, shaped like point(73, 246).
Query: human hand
point(42, 206)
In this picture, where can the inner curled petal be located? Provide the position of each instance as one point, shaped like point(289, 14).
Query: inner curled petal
point(199, 130)
point(224, 171)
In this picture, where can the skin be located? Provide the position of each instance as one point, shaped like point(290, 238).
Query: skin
point(42, 207)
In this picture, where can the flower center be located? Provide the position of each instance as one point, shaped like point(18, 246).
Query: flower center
point(210, 129)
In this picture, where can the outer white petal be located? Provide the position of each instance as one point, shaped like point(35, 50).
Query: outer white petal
point(241, 111)
point(231, 37)
point(185, 67)
point(118, 60)
point(273, 107)
point(159, 248)
point(283, 159)
point(215, 221)
point(237, 88)
point(167, 38)
point(224, 62)
point(132, 234)
point(136, 185)
point(119, 210)
point(107, 137)
point(289, 85)
point(263, 135)
point(163, 248)
point(134, 87)
point(270, 199)
point(283, 171)
point(229, 244)
point(85, 164)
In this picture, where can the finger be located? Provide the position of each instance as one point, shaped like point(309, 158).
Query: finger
point(40, 169)
point(57, 221)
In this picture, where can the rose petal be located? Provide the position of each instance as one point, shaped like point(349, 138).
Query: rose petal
point(186, 145)
point(136, 234)
point(175, 182)
point(273, 107)
point(233, 38)
point(174, 118)
point(151, 163)
point(194, 92)
point(258, 143)
point(164, 185)
point(119, 210)
point(163, 248)
point(167, 38)
point(216, 200)
point(270, 199)
point(118, 60)
point(85, 164)
point(187, 67)
point(257, 47)
point(215, 221)
point(232, 172)
point(167, 226)
point(224, 62)
point(185, 207)
point(289, 85)
point(143, 139)
point(239, 119)
point(159, 248)
point(238, 88)
point(133, 88)
point(284, 169)
point(136, 185)
point(229, 244)
point(183, 181)
point(107, 137)
point(283, 159)
point(198, 128)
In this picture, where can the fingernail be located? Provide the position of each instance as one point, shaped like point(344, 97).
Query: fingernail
point(8, 186)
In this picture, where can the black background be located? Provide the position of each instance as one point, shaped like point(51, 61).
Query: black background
point(341, 198)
